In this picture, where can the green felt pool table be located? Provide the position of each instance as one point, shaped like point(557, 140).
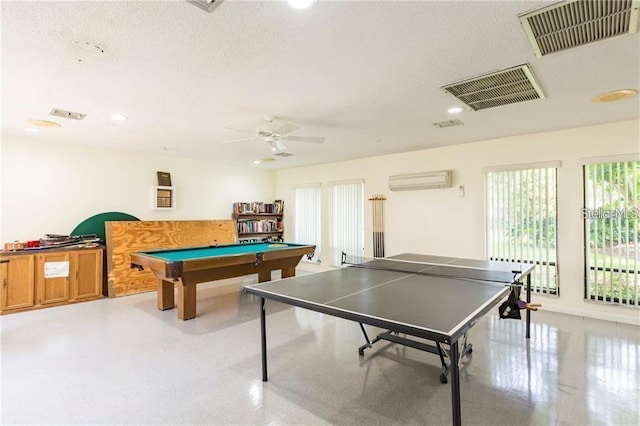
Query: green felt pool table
point(187, 267)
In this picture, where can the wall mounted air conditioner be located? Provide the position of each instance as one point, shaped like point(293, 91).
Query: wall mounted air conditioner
point(425, 180)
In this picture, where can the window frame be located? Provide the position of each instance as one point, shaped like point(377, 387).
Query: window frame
point(590, 205)
point(335, 258)
point(317, 221)
point(551, 265)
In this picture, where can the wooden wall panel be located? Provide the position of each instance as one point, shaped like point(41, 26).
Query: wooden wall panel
point(124, 238)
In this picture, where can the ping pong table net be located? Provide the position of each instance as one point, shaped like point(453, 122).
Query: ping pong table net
point(501, 276)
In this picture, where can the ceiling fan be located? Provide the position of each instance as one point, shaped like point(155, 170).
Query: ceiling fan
point(275, 132)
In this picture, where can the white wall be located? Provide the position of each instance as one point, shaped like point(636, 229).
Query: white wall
point(52, 187)
point(439, 221)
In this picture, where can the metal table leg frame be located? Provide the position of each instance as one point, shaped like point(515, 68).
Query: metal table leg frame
point(455, 386)
point(366, 338)
point(528, 313)
point(445, 355)
point(263, 331)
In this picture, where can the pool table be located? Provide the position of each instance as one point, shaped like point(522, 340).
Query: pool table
point(187, 267)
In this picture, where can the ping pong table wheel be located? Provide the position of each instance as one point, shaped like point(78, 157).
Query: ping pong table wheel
point(443, 378)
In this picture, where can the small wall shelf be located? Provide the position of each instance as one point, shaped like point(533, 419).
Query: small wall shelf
point(163, 198)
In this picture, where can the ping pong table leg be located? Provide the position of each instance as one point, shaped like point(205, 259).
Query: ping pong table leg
point(263, 331)
point(528, 311)
point(455, 385)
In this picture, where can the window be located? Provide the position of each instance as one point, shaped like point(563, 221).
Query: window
point(346, 219)
point(307, 217)
point(612, 227)
point(521, 210)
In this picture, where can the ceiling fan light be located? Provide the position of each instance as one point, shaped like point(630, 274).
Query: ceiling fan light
point(278, 146)
point(615, 95)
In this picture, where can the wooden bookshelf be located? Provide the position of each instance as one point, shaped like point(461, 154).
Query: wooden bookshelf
point(258, 221)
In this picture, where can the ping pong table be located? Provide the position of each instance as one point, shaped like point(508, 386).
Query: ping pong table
point(434, 300)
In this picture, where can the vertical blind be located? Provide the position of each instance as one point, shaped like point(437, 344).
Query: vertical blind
point(612, 225)
point(521, 211)
point(307, 217)
point(346, 219)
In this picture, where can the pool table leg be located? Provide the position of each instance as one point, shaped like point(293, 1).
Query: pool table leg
point(264, 276)
point(186, 301)
point(165, 295)
point(288, 272)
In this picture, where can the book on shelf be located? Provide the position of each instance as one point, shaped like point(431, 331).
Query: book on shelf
point(257, 226)
point(258, 207)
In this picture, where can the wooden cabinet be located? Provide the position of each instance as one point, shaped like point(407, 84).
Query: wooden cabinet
point(86, 279)
point(258, 221)
point(16, 278)
point(50, 278)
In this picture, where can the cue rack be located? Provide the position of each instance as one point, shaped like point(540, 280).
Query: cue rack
point(378, 224)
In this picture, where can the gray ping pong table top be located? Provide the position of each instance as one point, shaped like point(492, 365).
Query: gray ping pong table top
point(438, 307)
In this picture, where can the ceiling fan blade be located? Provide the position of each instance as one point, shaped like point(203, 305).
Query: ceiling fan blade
point(240, 140)
point(238, 130)
point(312, 139)
point(283, 128)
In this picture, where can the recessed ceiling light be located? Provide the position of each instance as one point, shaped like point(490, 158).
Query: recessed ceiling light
point(43, 123)
point(118, 117)
point(31, 130)
point(454, 110)
point(301, 4)
point(256, 161)
point(615, 95)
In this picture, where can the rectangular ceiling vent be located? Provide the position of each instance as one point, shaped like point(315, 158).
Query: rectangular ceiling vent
point(67, 114)
point(504, 87)
point(283, 154)
point(206, 5)
point(448, 123)
point(575, 23)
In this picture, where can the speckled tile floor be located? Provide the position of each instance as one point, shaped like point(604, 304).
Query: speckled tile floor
point(121, 361)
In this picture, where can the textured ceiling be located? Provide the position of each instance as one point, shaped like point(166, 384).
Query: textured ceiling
point(365, 75)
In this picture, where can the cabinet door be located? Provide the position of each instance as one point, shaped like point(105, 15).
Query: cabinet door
point(86, 276)
point(52, 277)
point(16, 276)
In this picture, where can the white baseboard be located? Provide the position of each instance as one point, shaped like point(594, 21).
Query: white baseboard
point(312, 267)
point(588, 313)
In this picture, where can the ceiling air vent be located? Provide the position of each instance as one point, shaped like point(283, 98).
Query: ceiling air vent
point(283, 154)
point(575, 23)
point(448, 123)
point(206, 5)
point(67, 114)
point(509, 86)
